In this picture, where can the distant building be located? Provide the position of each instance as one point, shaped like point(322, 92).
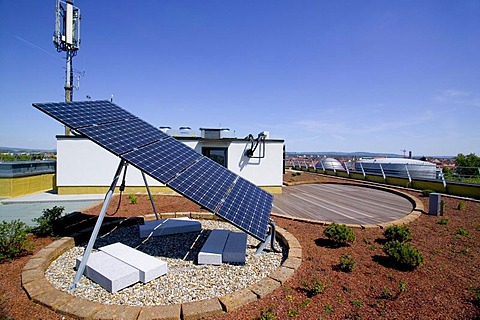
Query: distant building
point(400, 167)
point(84, 167)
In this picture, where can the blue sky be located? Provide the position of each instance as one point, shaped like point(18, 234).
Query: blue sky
point(377, 76)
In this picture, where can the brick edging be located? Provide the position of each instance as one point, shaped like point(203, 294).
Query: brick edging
point(41, 291)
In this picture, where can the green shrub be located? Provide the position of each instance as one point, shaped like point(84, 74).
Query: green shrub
point(461, 205)
point(403, 253)
point(461, 232)
point(46, 222)
point(339, 233)
point(427, 192)
point(443, 221)
point(347, 263)
point(315, 286)
point(13, 239)
point(399, 233)
point(267, 314)
point(132, 198)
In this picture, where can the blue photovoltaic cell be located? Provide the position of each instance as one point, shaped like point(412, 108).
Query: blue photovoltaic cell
point(123, 136)
point(84, 113)
point(169, 161)
point(248, 207)
point(163, 159)
point(205, 182)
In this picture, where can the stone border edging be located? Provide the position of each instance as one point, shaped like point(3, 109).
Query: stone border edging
point(41, 291)
point(418, 207)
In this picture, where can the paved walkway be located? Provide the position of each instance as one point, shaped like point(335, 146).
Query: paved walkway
point(31, 206)
point(348, 204)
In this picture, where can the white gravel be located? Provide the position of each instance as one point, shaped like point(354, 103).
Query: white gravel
point(185, 281)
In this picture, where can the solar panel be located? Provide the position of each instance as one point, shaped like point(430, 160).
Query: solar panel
point(84, 113)
point(247, 207)
point(169, 161)
point(205, 182)
point(123, 136)
point(163, 159)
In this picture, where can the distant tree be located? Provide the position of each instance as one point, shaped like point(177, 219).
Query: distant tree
point(467, 165)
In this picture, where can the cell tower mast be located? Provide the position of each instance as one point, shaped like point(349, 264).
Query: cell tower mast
point(67, 38)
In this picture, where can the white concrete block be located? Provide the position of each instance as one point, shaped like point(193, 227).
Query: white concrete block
point(165, 227)
point(211, 252)
point(112, 274)
point(235, 248)
point(148, 266)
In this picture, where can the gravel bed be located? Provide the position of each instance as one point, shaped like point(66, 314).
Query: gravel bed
point(185, 281)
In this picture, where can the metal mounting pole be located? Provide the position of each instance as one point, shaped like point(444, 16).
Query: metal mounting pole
point(98, 224)
point(150, 195)
point(270, 238)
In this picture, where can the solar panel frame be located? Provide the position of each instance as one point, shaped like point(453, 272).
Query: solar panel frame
point(205, 183)
point(169, 161)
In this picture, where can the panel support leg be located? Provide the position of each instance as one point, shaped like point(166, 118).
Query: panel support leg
point(98, 224)
point(270, 238)
point(150, 195)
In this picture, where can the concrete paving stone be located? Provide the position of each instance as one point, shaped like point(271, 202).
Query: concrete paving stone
point(37, 287)
point(282, 274)
point(149, 267)
point(165, 312)
point(53, 299)
point(165, 227)
point(167, 215)
point(79, 308)
point(113, 312)
point(60, 246)
point(182, 214)
point(211, 252)
point(235, 249)
point(110, 273)
point(35, 263)
point(292, 263)
point(32, 275)
point(201, 309)
point(264, 287)
point(295, 253)
point(237, 299)
point(48, 254)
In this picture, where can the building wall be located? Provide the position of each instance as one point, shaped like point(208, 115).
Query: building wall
point(85, 167)
point(19, 186)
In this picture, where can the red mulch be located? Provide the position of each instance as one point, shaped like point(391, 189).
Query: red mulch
point(442, 288)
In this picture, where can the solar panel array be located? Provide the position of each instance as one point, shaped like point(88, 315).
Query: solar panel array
point(169, 161)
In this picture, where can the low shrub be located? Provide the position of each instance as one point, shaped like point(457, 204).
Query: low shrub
point(399, 233)
point(46, 222)
point(461, 205)
point(426, 192)
point(347, 263)
point(403, 253)
point(443, 221)
point(132, 198)
point(13, 239)
point(315, 286)
point(339, 233)
point(461, 232)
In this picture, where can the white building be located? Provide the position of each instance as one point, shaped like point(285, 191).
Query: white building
point(84, 167)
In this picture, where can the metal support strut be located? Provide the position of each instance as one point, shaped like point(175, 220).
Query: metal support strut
point(150, 195)
point(270, 238)
point(98, 224)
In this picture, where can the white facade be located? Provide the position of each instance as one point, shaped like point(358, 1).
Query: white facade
point(81, 163)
